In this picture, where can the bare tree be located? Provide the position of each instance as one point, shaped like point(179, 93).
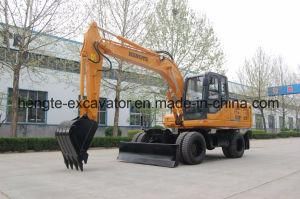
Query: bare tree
point(187, 36)
point(2, 120)
point(296, 107)
point(150, 111)
point(24, 22)
point(297, 102)
point(257, 73)
point(284, 77)
point(125, 18)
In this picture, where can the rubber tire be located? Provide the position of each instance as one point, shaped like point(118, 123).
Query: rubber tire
point(233, 150)
point(139, 137)
point(179, 141)
point(187, 148)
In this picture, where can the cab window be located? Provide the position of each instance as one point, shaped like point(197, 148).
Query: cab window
point(195, 88)
point(223, 86)
point(213, 88)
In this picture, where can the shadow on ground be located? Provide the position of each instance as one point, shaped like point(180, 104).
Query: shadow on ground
point(214, 157)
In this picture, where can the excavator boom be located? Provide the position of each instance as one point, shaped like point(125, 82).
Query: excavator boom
point(190, 129)
point(75, 137)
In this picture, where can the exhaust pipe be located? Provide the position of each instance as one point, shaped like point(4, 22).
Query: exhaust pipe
point(74, 138)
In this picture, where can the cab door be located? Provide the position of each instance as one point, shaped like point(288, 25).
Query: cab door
point(193, 108)
point(213, 95)
point(216, 92)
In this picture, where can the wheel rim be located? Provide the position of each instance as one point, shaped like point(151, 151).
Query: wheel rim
point(196, 149)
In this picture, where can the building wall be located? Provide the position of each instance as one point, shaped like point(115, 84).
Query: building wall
point(46, 130)
point(62, 86)
point(277, 114)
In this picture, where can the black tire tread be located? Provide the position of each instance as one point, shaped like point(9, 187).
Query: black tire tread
point(226, 152)
point(136, 136)
point(230, 151)
point(179, 141)
point(186, 150)
point(141, 138)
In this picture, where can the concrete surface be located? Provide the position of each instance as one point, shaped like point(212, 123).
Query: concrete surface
point(271, 169)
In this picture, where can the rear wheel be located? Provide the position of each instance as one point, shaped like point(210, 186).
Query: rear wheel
point(236, 147)
point(193, 148)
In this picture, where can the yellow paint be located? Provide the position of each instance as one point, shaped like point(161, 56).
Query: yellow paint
point(90, 77)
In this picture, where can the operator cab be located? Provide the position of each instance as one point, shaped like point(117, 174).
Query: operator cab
point(204, 94)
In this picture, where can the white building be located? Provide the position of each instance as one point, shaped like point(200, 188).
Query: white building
point(53, 73)
point(273, 115)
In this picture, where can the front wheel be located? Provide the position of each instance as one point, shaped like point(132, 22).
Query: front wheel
point(193, 148)
point(139, 137)
point(236, 147)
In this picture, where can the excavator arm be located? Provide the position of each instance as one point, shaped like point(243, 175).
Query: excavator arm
point(204, 128)
point(74, 137)
point(96, 48)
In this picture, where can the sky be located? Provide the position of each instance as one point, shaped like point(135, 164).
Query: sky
point(244, 25)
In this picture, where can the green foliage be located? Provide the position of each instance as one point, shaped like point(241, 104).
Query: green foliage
point(24, 144)
point(285, 129)
point(40, 144)
point(257, 131)
point(109, 131)
point(108, 141)
point(257, 134)
point(131, 133)
point(50, 144)
point(187, 35)
point(288, 134)
point(157, 127)
point(263, 136)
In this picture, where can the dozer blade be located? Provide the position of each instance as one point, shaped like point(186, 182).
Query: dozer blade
point(74, 138)
point(149, 153)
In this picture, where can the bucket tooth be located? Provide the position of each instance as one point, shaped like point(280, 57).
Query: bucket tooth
point(71, 164)
point(80, 166)
point(85, 157)
point(66, 162)
point(76, 165)
point(74, 138)
point(62, 146)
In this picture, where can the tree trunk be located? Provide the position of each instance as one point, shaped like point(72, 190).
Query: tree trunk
point(2, 120)
point(15, 96)
point(264, 119)
point(283, 112)
point(117, 108)
point(117, 98)
point(297, 117)
point(283, 119)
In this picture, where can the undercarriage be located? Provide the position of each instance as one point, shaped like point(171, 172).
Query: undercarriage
point(162, 147)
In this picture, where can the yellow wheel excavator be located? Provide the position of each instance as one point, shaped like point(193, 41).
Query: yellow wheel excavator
point(208, 118)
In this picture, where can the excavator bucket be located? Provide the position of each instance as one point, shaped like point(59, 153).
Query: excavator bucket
point(158, 154)
point(74, 138)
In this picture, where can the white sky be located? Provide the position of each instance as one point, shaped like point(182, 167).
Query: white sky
point(244, 25)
